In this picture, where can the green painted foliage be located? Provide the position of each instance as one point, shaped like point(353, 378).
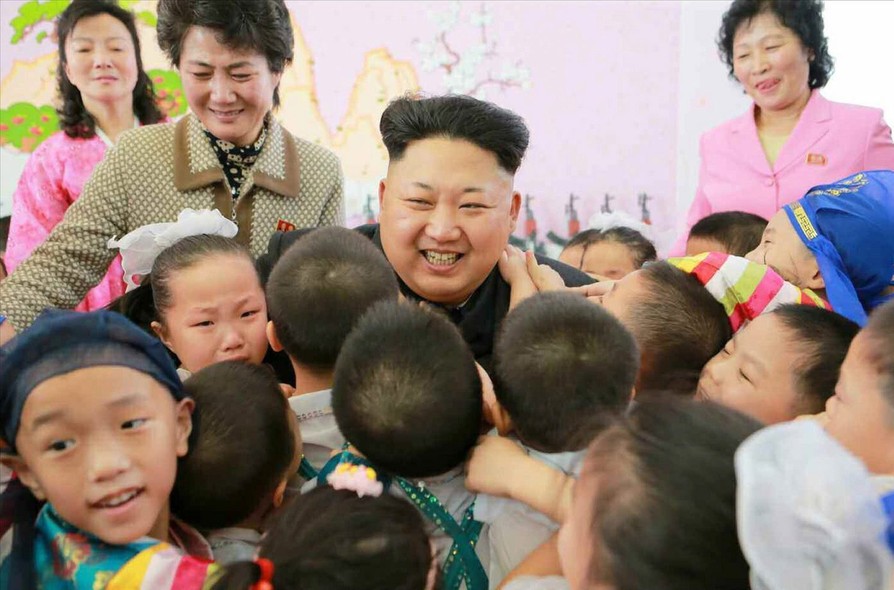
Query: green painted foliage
point(34, 13)
point(25, 125)
point(169, 92)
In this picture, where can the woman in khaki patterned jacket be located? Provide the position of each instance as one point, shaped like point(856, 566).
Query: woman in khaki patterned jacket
point(229, 154)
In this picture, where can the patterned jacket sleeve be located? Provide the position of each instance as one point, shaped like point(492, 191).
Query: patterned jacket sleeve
point(38, 204)
point(75, 256)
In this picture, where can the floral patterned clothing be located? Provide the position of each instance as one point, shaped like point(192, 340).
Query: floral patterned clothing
point(52, 180)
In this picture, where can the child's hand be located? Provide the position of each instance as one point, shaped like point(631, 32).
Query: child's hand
point(542, 275)
point(287, 390)
point(493, 463)
point(822, 418)
point(514, 271)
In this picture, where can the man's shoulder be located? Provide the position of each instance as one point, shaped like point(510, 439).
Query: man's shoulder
point(572, 276)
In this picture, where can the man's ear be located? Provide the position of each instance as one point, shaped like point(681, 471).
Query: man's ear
point(514, 209)
point(25, 475)
point(161, 333)
point(272, 338)
point(381, 193)
point(184, 411)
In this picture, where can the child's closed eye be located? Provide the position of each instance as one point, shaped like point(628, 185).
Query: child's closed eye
point(251, 313)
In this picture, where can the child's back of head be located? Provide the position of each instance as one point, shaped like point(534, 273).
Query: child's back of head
point(319, 289)
point(241, 450)
point(655, 505)
point(564, 369)
point(406, 391)
point(678, 326)
point(332, 539)
point(733, 232)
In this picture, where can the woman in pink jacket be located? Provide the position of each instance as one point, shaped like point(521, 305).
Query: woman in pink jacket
point(104, 92)
point(792, 138)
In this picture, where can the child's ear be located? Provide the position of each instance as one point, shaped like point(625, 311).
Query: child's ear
point(25, 475)
point(502, 421)
point(816, 281)
point(161, 334)
point(272, 338)
point(184, 411)
point(279, 493)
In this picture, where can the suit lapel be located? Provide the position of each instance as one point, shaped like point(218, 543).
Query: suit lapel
point(812, 126)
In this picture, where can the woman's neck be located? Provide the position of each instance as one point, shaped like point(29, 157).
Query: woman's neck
point(113, 118)
point(781, 121)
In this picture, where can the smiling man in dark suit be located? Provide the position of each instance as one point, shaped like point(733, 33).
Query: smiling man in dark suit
point(447, 208)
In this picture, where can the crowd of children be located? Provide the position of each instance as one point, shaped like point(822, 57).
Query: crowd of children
point(418, 405)
point(611, 445)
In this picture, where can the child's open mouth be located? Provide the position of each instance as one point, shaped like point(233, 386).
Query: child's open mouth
point(441, 258)
point(119, 499)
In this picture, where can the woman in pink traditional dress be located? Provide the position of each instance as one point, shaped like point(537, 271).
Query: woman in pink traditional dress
point(104, 92)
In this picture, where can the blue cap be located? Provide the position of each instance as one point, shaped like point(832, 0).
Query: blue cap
point(60, 342)
point(849, 227)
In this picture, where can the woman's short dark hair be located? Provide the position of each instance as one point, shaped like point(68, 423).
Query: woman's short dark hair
point(255, 25)
point(803, 17)
point(74, 118)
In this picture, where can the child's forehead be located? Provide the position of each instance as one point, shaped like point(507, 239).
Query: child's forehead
point(91, 389)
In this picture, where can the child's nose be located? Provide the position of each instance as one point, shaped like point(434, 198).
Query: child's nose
point(107, 460)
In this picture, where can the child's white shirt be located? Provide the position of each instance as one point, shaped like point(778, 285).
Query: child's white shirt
point(319, 432)
point(233, 544)
point(515, 529)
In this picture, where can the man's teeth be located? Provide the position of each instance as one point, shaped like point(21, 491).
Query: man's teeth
point(119, 499)
point(441, 258)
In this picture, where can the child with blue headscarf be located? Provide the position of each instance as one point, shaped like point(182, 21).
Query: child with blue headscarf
point(94, 418)
point(837, 240)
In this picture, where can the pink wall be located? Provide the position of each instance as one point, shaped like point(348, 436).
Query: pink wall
point(602, 100)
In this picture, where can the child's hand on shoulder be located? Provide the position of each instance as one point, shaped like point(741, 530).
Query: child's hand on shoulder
point(287, 390)
point(514, 270)
point(493, 464)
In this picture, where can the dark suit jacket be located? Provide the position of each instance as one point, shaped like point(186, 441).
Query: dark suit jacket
point(478, 320)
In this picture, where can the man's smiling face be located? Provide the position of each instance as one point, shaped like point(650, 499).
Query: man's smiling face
point(447, 210)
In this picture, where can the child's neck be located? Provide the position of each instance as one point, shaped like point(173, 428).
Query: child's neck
point(161, 529)
point(309, 380)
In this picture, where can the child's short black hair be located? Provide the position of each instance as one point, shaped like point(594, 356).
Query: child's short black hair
point(239, 450)
point(564, 369)
point(826, 335)
point(678, 326)
point(335, 540)
point(739, 232)
point(406, 391)
point(319, 289)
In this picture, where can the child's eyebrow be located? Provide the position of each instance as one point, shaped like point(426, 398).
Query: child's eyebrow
point(46, 418)
point(53, 415)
